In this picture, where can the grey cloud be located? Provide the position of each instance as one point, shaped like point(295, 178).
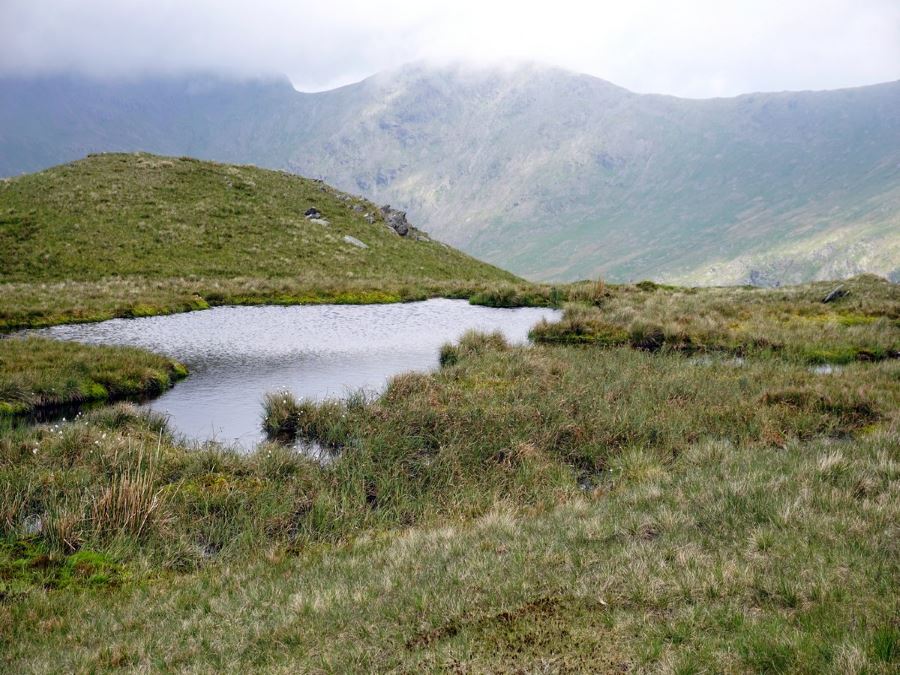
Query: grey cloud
point(697, 48)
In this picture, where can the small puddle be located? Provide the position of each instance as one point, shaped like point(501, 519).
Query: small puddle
point(238, 354)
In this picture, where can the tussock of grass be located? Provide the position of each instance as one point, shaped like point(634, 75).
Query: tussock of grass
point(853, 409)
point(733, 558)
point(862, 326)
point(131, 505)
point(508, 295)
point(580, 325)
point(470, 344)
point(120, 484)
point(286, 418)
point(581, 508)
point(37, 373)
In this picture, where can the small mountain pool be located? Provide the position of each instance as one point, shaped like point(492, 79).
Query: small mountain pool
point(238, 354)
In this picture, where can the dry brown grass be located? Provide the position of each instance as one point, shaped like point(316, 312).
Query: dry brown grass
point(793, 322)
point(133, 503)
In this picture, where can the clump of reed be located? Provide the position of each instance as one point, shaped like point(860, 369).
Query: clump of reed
point(123, 498)
point(286, 418)
point(472, 342)
point(518, 295)
point(133, 503)
point(115, 481)
point(580, 324)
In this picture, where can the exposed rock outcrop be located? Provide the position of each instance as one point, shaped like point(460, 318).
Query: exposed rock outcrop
point(396, 220)
point(836, 294)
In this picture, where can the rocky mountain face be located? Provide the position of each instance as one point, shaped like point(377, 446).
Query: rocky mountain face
point(548, 173)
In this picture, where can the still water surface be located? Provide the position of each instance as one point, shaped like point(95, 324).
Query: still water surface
point(238, 354)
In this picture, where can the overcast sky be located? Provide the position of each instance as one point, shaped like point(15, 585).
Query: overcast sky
point(695, 48)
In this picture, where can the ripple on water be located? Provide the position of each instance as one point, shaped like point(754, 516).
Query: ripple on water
point(238, 354)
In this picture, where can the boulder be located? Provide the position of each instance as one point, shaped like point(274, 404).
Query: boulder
point(354, 241)
point(836, 294)
point(395, 219)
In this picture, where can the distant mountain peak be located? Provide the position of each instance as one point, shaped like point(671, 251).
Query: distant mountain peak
point(470, 74)
point(550, 173)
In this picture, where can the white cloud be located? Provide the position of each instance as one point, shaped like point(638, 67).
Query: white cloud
point(689, 48)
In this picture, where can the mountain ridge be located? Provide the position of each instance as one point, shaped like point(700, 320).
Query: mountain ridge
point(552, 174)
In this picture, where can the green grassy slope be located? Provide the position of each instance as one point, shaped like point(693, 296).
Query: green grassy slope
point(137, 234)
point(139, 214)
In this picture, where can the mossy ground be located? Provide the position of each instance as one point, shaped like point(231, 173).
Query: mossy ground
point(566, 508)
point(37, 374)
point(25, 565)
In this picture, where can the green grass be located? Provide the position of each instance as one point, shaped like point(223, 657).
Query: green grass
point(572, 507)
point(25, 565)
point(34, 305)
point(121, 235)
point(791, 322)
point(158, 217)
point(735, 558)
point(625, 494)
point(39, 374)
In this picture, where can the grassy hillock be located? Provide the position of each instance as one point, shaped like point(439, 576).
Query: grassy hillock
point(138, 234)
point(581, 504)
point(37, 373)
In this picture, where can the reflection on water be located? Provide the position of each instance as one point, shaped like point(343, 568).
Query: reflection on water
point(237, 354)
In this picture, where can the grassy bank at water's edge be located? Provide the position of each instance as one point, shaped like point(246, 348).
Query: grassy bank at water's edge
point(35, 305)
point(39, 374)
point(580, 508)
point(579, 504)
point(121, 235)
point(862, 324)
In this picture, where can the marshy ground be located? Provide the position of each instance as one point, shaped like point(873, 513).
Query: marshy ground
point(663, 482)
point(38, 374)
